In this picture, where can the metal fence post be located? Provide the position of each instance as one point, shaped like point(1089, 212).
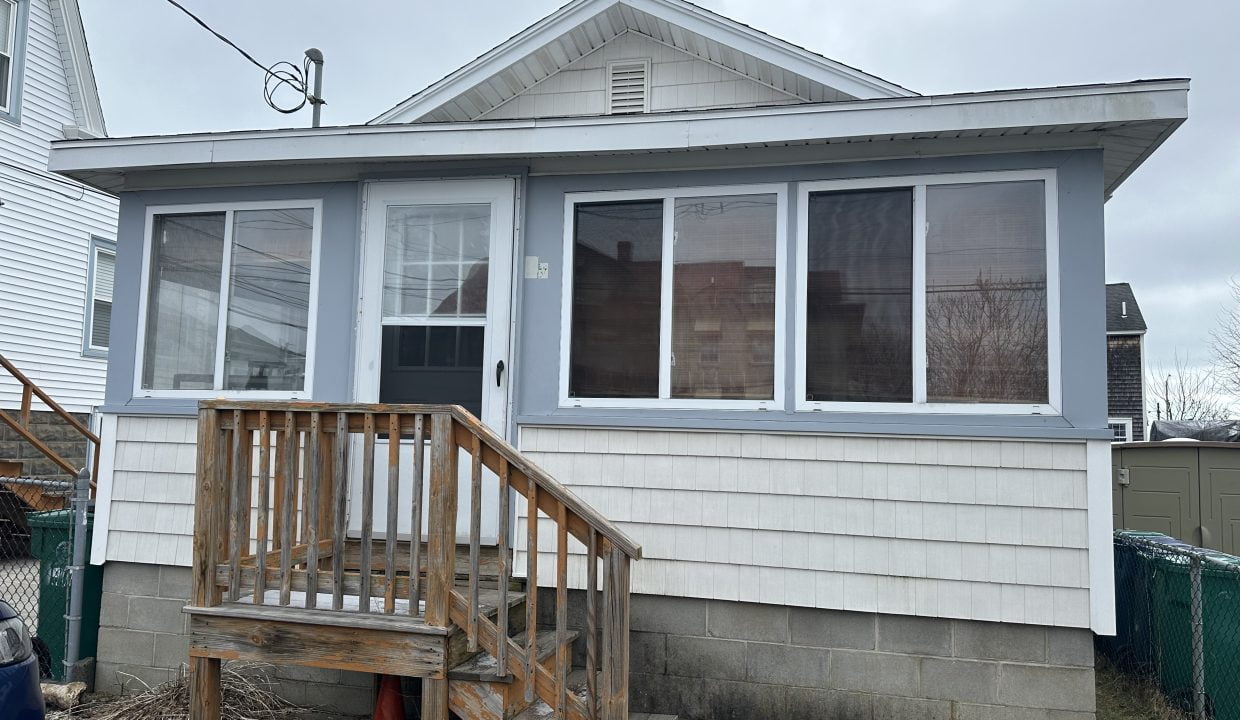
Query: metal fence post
point(73, 620)
point(1199, 657)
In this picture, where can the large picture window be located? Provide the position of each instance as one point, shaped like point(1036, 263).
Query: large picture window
point(928, 293)
point(228, 304)
point(674, 298)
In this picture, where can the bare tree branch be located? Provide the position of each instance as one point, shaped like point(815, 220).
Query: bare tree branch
point(1182, 392)
point(1225, 342)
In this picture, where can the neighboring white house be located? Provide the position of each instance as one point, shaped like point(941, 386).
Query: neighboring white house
point(57, 236)
point(828, 349)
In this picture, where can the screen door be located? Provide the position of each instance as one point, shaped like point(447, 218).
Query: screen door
point(436, 298)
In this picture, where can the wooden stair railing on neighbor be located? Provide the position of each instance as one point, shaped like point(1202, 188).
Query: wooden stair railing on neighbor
point(277, 578)
point(33, 495)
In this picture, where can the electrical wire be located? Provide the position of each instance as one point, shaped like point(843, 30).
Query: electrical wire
point(275, 76)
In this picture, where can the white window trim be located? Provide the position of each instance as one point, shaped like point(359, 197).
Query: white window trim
point(669, 196)
point(98, 246)
point(1126, 422)
point(919, 183)
point(7, 104)
point(221, 324)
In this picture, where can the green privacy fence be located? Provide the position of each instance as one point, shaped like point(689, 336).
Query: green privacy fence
point(1178, 622)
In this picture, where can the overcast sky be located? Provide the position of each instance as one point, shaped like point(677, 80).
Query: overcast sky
point(1173, 228)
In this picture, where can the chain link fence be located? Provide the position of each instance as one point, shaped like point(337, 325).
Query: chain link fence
point(1178, 622)
point(36, 554)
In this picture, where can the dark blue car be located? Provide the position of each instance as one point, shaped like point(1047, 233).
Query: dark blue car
point(20, 696)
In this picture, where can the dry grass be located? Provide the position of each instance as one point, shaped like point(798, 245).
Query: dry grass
point(247, 695)
point(1123, 697)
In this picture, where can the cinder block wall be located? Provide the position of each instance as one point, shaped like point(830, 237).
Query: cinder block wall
point(55, 433)
point(708, 659)
point(143, 638)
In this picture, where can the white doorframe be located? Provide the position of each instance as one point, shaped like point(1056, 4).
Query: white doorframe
point(499, 193)
point(378, 196)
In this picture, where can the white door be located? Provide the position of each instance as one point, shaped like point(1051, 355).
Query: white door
point(434, 325)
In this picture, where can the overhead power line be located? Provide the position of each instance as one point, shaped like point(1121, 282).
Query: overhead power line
point(282, 73)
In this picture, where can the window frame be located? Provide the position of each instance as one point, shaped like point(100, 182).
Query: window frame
point(1126, 422)
point(97, 245)
point(229, 210)
point(918, 184)
point(10, 109)
point(668, 196)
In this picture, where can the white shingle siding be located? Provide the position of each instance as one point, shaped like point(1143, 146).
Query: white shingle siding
point(677, 81)
point(913, 526)
point(45, 237)
point(977, 529)
point(151, 511)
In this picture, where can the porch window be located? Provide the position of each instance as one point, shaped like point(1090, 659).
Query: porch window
point(930, 293)
point(674, 298)
point(228, 304)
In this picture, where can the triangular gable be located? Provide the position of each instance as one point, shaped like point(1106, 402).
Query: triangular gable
point(583, 27)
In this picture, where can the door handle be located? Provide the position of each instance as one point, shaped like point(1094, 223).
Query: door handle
point(499, 373)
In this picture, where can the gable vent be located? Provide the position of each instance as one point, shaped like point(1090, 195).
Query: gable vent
point(628, 86)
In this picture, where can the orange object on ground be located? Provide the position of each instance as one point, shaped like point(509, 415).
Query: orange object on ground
point(390, 705)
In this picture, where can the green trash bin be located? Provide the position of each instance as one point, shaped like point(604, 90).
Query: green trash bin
point(1221, 632)
point(51, 543)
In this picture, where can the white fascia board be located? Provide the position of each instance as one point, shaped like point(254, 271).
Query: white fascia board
point(493, 61)
point(716, 27)
point(766, 47)
point(1062, 108)
point(88, 110)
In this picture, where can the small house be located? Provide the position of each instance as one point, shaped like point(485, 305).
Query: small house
point(774, 388)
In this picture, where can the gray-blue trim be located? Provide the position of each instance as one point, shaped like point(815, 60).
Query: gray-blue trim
point(337, 299)
point(1080, 194)
point(88, 315)
point(18, 77)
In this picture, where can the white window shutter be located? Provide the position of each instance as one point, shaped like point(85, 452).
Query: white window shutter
point(628, 87)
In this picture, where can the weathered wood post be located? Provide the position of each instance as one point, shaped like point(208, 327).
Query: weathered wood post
point(616, 634)
point(440, 551)
point(204, 694)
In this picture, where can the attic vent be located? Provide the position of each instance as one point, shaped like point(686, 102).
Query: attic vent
point(628, 85)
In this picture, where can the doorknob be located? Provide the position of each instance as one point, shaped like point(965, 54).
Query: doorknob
point(499, 372)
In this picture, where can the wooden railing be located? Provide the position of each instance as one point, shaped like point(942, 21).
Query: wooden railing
point(274, 533)
point(21, 423)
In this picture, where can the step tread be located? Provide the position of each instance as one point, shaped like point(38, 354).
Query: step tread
point(540, 710)
point(482, 667)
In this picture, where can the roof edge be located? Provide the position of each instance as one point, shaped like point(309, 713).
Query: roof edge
point(678, 12)
point(75, 56)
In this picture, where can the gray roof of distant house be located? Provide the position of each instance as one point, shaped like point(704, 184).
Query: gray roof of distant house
point(1117, 321)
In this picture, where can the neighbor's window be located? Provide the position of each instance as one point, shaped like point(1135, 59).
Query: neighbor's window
point(674, 298)
point(8, 41)
point(228, 301)
point(967, 325)
point(99, 304)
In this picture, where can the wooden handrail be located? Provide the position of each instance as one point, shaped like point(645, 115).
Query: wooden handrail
point(21, 424)
point(296, 497)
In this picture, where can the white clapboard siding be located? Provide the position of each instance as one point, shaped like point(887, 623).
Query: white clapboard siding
point(678, 81)
point(45, 231)
point(976, 529)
